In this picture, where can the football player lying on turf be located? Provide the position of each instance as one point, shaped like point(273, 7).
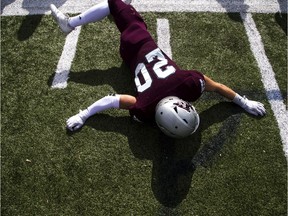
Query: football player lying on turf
point(163, 89)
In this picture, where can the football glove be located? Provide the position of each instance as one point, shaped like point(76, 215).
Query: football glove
point(253, 107)
point(77, 121)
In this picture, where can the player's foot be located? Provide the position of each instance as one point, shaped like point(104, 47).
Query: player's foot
point(62, 19)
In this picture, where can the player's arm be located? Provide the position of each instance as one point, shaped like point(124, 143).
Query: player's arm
point(111, 101)
point(252, 107)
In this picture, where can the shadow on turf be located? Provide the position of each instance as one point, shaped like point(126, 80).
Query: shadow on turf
point(230, 7)
point(113, 76)
point(174, 161)
point(31, 22)
point(281, 17)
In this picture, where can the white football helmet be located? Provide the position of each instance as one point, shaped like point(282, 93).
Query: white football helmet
point(176, 118)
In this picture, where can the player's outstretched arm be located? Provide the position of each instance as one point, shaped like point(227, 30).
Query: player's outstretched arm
point(111, 101)
point(252, 107)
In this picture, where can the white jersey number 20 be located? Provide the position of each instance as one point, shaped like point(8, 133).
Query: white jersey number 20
point(159, 69)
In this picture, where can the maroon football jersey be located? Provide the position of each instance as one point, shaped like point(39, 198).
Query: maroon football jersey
point(156, 75)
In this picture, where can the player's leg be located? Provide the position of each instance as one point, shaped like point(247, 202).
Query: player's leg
point(133, 30)
point(124, 14)
point(93, 14)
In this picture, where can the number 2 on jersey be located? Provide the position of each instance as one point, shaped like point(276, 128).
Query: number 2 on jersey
point(160, 68)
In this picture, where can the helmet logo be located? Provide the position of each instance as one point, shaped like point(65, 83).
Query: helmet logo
point(185, 106)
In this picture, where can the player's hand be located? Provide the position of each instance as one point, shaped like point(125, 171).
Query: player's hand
point(75, 122)
point(254, 107)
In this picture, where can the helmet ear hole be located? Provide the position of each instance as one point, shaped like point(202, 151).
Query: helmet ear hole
point(176, 118)
point(175, 108)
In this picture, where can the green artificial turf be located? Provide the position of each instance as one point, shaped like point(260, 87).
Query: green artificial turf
point(233, 165)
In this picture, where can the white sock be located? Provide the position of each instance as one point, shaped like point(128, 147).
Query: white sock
point(108, 102)
point(93, 14)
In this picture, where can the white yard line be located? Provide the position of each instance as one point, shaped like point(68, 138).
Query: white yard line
point(163, 35)
point(66, 59)
point(25, 7)
point(268, 78)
